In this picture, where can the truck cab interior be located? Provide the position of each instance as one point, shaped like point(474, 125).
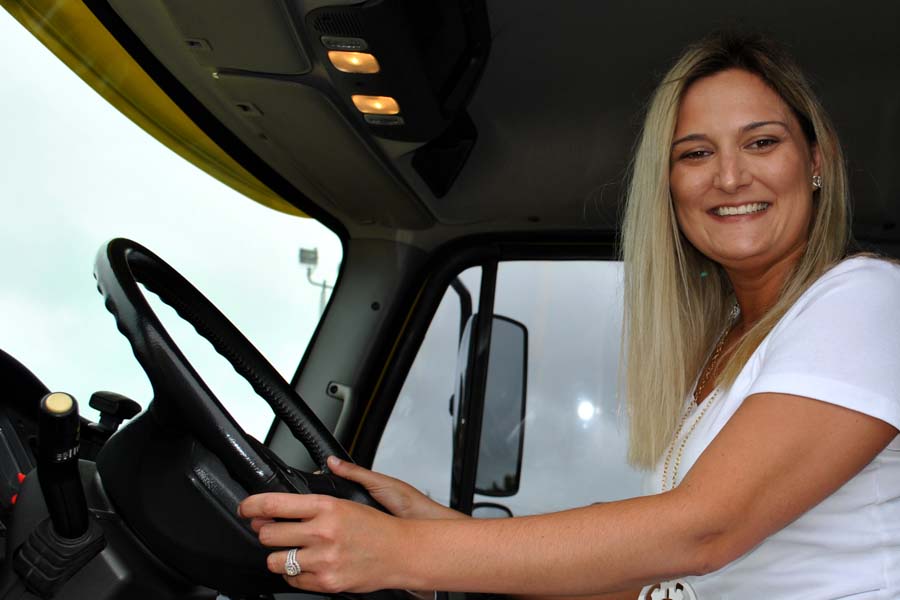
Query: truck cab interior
point(471, 155)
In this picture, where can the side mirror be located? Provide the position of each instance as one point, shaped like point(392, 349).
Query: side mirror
point(503, 422)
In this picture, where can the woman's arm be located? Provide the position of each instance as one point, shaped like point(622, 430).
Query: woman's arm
point(405, 501)
point(777, 457)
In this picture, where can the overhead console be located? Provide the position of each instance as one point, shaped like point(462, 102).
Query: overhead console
point(327, 96)
point(422, 58)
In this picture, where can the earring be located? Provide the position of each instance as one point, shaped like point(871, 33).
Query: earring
point(817, 182)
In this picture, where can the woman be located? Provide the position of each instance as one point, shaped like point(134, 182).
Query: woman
point(763, 382)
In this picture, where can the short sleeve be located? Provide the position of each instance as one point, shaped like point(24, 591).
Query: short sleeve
point(840, 343)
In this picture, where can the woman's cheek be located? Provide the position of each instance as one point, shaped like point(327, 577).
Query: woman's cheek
point(683, 216)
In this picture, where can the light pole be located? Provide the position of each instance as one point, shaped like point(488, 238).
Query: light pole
point(309, 257)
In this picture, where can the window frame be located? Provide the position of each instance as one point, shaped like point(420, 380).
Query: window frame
point(435, 279)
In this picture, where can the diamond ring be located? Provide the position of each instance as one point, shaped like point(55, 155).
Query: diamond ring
point(291, 566)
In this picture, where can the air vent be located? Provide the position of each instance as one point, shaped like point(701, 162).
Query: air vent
point(343, 24)
point(347, 44)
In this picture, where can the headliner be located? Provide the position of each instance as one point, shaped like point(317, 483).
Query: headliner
point(557, 108)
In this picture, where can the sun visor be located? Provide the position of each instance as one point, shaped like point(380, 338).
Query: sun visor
point(298, 123)
point(71, 32)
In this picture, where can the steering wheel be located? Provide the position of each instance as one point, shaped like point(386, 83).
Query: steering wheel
point(186, 456)
point(179, 392)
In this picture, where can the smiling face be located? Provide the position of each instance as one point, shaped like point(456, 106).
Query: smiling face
point(741, 173)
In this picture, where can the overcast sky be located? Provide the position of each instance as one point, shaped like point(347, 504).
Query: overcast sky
point(75, 173)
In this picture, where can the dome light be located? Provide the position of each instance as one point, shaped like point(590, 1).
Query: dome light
point(354, 62)
point(376, 105)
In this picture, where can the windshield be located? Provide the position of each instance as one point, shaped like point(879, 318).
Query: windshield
point(76, 173)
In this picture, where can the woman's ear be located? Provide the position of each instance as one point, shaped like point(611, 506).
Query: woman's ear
point(816, 158)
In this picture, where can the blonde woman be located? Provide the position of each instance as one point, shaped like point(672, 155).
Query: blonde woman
point(762, 378)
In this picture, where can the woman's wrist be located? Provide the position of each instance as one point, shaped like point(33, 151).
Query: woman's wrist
point(435, 510)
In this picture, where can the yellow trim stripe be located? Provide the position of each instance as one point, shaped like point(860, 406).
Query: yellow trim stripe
point(70, 31)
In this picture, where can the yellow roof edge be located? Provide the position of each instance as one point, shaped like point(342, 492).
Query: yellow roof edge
point(71, 32)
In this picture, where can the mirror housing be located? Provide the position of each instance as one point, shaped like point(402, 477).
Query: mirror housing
point(491, 510)
point(503, 423)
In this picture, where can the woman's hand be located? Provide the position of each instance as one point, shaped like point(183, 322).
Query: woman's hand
point(343, 546)
point(400, 498)
point(336, 536)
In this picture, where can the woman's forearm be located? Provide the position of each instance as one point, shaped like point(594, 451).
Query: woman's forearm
point(628, 594)
point(435, 510)
point(599, 548)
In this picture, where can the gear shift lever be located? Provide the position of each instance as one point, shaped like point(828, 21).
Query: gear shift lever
point(57, 463)
point(58, 547)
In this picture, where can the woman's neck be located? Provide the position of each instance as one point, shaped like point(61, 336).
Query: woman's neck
point(758, 289)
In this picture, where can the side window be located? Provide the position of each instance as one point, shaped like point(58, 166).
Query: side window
point(575, 433)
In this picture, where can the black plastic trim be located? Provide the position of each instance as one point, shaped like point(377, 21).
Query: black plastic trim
point(465, 304)
point(465, 463)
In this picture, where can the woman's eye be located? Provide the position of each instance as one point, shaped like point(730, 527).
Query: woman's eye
point(695, 154)
point(763, 143)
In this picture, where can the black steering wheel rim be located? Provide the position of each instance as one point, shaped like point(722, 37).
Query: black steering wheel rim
point(181, 397)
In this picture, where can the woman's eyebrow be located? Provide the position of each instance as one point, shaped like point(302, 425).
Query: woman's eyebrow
point(758, 124)
point(692, 137)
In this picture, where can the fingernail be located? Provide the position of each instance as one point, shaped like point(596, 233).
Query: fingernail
point(334, 461)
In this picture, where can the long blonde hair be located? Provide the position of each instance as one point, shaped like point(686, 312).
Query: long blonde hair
point(677, 301)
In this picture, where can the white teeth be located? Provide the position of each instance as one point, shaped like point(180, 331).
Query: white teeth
point(743, 209)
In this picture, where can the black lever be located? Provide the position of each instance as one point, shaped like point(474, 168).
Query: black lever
point(57, 463)
point(114, 408)
point(59, 546)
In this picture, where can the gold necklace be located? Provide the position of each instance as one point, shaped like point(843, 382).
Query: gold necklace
point(704, 378)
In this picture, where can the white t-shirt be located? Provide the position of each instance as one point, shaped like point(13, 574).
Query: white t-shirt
point(839, 343)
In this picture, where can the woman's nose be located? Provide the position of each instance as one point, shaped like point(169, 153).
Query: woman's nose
point(732, 173)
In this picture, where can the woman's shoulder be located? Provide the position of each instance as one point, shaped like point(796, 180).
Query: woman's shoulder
point(860, 284)
point(840, 342)
point(861, 272)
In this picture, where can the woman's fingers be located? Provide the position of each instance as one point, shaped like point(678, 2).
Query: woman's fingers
point(309, 579)
point(401, 499)
point(354, 472)
point(393, 494)
point(276, 562)
point(305, 580)
point(256, 524)
point(282, 506)
point(342, 546)
point(285, 534)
